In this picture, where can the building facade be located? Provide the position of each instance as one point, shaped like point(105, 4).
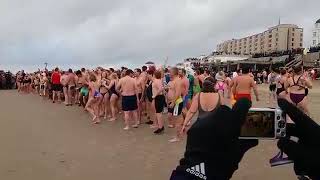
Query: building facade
point(278, 38)
point(316, 34)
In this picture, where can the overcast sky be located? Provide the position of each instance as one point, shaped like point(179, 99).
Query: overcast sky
point(130, 32)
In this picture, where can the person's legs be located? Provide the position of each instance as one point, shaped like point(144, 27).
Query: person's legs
point(148, 112)
point(178, 124)
point(53, 96)
point(113, 103)
point(45, 91)
point(65, 92)
point(81, 100)
point(105, 105)
point(170, 120)
point(70, 95)
point(76, 96)
point(59, 95)
point(96, 108)
point(90, 107)
point(126, 120)
point(135, 118)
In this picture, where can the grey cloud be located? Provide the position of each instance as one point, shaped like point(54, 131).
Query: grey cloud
point(129, 32)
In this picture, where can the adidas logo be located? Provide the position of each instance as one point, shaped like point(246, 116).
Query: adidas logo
point(198, 171)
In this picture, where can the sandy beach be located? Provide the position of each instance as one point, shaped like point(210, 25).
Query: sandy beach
point(45, 141)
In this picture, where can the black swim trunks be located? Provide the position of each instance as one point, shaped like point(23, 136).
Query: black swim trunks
point(272, 87)
point(56, 87)
point(180, 107)
point(159, 103)
point(129, 103)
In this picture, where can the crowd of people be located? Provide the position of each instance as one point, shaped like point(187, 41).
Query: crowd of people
point(143, 95)
point(7, 80)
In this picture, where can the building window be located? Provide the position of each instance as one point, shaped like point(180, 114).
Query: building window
point(277, 39)
point(300, 44)
point(276, 44)
point(277, 34)
point(269, 45)
point(293, 29)
point(270, 36)
point(269, 40)
point(292, 39)
point(314, 42)
point(292, 44)
point(314, 34)
point(292, 34)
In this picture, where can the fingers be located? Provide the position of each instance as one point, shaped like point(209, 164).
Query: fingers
point(240, 110)
point(291, 130)
point(294, 112)
point(305, 127)
point(291, 148)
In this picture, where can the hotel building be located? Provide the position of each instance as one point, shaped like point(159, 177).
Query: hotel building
point(278, 38)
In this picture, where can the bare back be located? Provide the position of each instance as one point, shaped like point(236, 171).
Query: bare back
point(71, 79)
point(243, 84)
point(128, 86)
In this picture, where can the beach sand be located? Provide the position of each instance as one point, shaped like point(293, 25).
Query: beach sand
point(45, 141)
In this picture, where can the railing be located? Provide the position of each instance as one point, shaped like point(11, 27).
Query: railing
point(297, 61)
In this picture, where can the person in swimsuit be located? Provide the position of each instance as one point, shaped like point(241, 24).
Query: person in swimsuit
point(175, 105)
point(43, 84)
point(64, 83)
point(272, 81)
point(36, 82)
point(83, 85)
point(95, 98)
point(220, 85)
point(143, 78)
point(140, 90)
point(281, 91)
point(27, 83)
point(204, 103)
point(56, 85)
point(105, 93)
point(127, 86)
point(71, 81)
point(297, 85)
point(149, 100)
point(159, 101)
point(243, 84)
point(185, 90)
point(114, 95)
point(196, 85)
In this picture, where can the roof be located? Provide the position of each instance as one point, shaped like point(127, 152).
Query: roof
point(318, 21)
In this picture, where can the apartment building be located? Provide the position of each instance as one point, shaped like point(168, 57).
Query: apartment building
point(278, 38)
point(316, 34)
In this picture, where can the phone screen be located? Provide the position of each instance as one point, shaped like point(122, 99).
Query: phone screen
point(259, 124)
